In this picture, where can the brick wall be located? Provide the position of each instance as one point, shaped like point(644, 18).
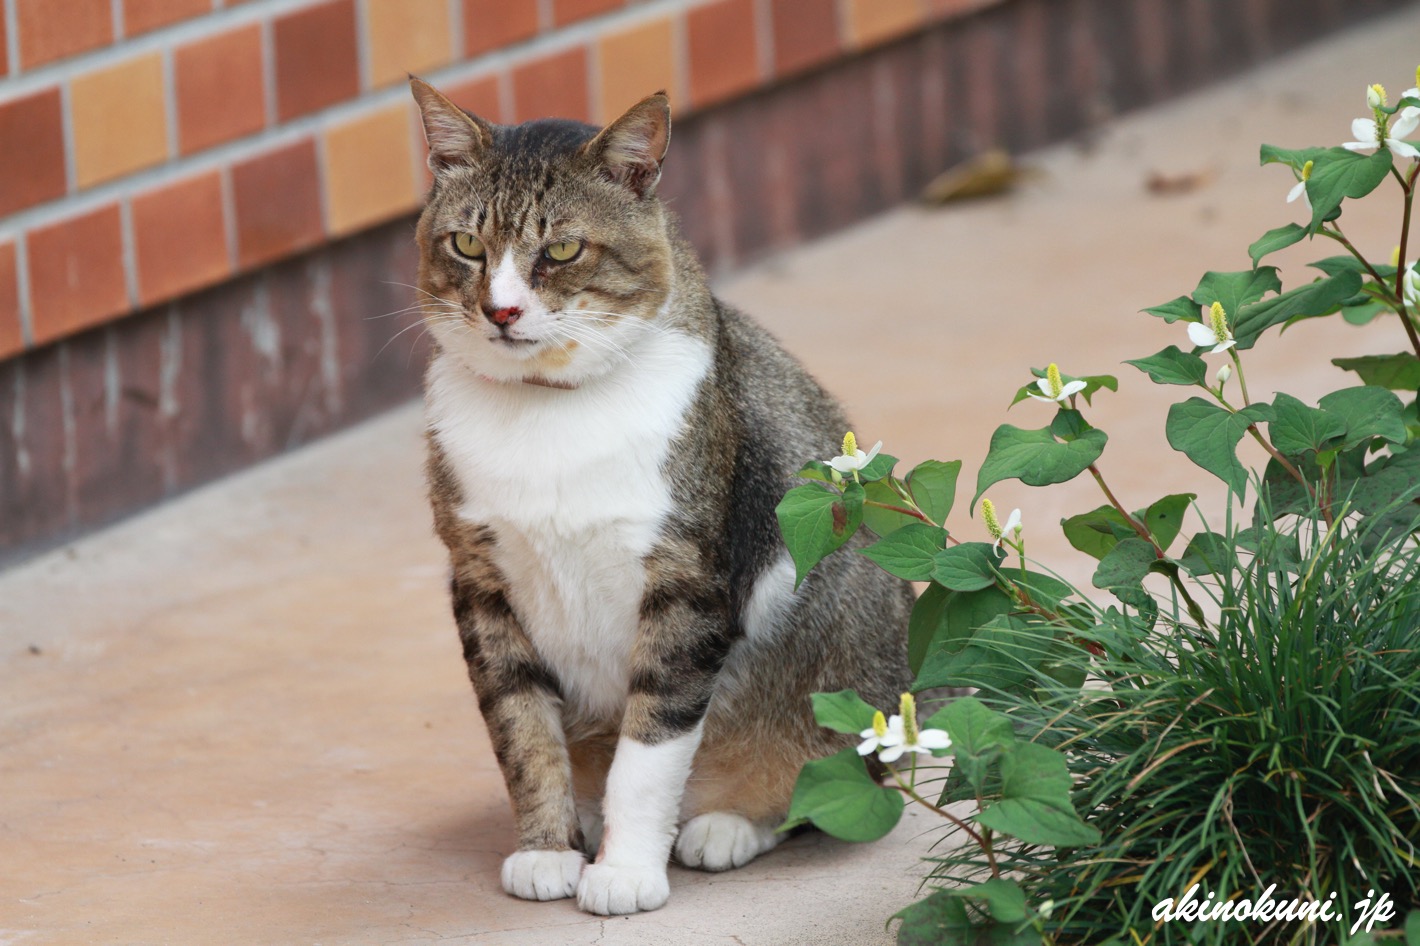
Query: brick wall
point(150, 148)
point(205, 205)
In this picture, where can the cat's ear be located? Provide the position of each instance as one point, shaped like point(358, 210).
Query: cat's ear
point(630, 149)
point(455, 137)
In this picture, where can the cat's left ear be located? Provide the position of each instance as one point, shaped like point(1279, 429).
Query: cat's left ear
point(456, 138)
point(631, 149)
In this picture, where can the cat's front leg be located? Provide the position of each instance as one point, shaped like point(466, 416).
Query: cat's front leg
point(684, 637)
point(522, 706)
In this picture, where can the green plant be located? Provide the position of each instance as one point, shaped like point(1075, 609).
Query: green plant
point(1251, 639)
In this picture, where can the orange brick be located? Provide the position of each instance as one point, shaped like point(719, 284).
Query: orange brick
point(32, 153)
point(483, 96)
point(76, 274)
point(407, 36)
point(140, 16)
point(276, 198)
point(11, 335)
point(316, 59)
point(180, 238)
point(221, 89)
point(119, 121)
point(369, 170)
point(635, 63)
point(494, 24)
point(568, 11)
point(552, 87)
point(50, 30)
point(805, 33)
point(875, 21)
point(724, 54)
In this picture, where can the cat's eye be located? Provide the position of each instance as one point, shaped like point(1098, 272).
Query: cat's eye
point(564, 251)
point(466, 244)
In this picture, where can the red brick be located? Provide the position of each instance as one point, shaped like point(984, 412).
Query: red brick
point(277, 203)
point(11, 339)
point(805, 33)
point(568, 11)
point(32, 156)
point(316, 59)
point(4, 49)
point(724, 53)
point(140, 16)
point(494, 24)
point(180, 238)
point(221, 89)
point(50, 30)
point(554, 86)
point(76, 274)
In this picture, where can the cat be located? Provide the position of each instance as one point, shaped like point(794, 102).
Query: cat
point(607, 443)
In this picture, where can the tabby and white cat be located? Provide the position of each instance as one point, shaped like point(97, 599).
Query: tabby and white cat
point(607, 443)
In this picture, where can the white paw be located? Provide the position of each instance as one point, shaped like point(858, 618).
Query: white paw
point(543, 875)
point(719, 840)
point(607, 889)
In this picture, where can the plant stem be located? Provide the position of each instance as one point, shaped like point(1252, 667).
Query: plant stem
point(911, 793)
point(1400, 260)
point(1242, 378)
point(1194, 611)
point(1295, 473)
point(901, 509)
point(1396, 298)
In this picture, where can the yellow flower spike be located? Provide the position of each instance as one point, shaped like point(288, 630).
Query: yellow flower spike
point(1052, 375)
point(850, 444)
point(1218, 320)
point(1307, 170)
point(908, 709)
point(988, 516)
point(1417, 75)
point(1395, 255)
point(879, 724)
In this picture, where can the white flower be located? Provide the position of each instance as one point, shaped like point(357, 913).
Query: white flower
point(926, 740)
point(1300, 188)
point(1053, 389)
point(853, 459)
point(1213, 334)
point(1383, 132)
point(881, 734)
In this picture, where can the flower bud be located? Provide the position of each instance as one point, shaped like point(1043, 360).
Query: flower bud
point(1224, 373)
point(1307, 170)
point(1375, 96)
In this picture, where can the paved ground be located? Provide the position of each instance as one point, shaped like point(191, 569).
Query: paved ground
point(242, 717)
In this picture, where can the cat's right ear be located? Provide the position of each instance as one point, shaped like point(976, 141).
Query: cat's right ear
point(455, 137)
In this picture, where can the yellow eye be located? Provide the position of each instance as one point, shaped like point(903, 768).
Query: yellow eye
point(563, 251)
point(468, 245)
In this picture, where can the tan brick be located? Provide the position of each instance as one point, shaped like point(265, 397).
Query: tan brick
point(407, 36)
point(120, 124)
point(634, 64)
point(876, 21)
point(369, 170)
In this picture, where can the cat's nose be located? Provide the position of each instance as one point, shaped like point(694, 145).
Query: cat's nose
point(504, 316)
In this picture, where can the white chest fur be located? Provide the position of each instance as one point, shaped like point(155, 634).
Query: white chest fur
point(571, 483)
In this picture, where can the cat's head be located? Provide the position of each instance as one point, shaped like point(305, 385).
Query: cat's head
point(544, 255)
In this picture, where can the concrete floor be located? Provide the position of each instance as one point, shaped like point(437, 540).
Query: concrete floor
point(242, 717)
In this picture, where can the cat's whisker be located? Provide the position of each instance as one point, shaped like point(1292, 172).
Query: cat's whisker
point(427, 323)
